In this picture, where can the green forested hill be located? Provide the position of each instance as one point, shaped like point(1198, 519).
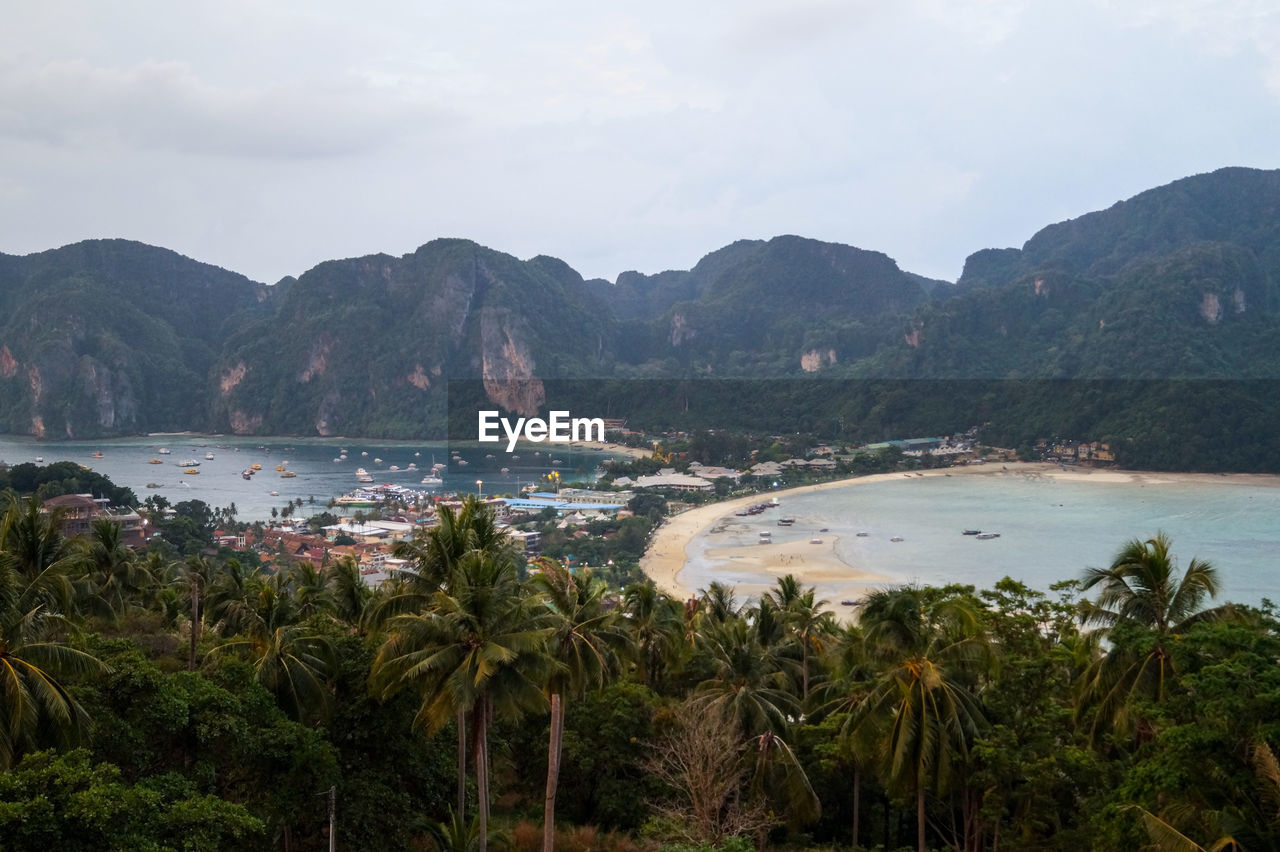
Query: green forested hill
point(110, 336)
point(366, 346)
point(113, 337)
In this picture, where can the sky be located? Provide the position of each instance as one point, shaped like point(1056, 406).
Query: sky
point(268, 137)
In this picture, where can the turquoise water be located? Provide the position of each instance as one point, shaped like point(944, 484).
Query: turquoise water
point(1049, 529)
point(219, 483)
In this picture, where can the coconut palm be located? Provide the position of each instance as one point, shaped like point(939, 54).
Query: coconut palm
point(1143, 604)
point(919, 715)
point(35, 596)
point(655, 624)
point(807, 619)
point(349, 594)
point(850, 674)
point(435, 555)
point(478, 650)
point(291, 660)
point(751, 679)
point(117, 576)
point(586, 640)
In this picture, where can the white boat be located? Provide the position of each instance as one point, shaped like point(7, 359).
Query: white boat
point(189, 463)
point(432, 481)
point(208, 456)
point(394, 467)
point(377, 461)
point(163, 451)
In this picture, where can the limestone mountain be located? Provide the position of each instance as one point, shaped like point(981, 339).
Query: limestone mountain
point(112, 337)
point(784, 306)
point(1179, 281)
point(366, 346)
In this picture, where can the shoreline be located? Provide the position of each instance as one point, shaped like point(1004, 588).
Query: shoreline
point(666, 557)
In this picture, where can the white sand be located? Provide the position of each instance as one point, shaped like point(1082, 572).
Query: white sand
point(819, 564)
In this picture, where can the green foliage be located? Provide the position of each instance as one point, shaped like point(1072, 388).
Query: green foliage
point(67, 801)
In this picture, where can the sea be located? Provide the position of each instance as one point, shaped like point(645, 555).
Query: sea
point(321, 472)
point(1050, 529)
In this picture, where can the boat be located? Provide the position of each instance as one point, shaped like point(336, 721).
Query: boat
point(462, 462)
point(766, 537)
point(896, 538)
point(192, 470)
point(433, 481)
point(786, 522)
point(246, 474)
point(363, 475)
point(556, 461)
point(505, 470)
point(288, 474)
point(208, 456)
point(377, 461)
point(39, 459)
point(988, 536)
point(155, 461)
point(154, 485)
point(394, 467)
point(162, 451)
point(848, 603)
point(97, 454)
point(412, 466)
point(255, 467)
point(273, 493)
point(971, 532)
point(189, 463)
point(815, 541)
point(863, 535)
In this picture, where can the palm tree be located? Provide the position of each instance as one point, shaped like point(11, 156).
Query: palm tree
point(478, 650)
point(35, 597)
point(117, 577)
point(310, 590)
point(808, 619)
point(349, 594)
point(919, 715)
point(435, 555)
point(849, 677)
point(290, 660)
point(1143, 605)
point(585, 641)
point(750, 679)
point(655, 624)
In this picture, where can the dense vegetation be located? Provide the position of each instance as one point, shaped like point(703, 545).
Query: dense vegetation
point(204, 704)
point(1094, 330)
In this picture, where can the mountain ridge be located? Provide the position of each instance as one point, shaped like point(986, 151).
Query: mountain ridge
point(109, 337)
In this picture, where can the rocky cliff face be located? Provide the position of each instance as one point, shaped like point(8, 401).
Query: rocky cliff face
point(371, 342)
point(111, 337)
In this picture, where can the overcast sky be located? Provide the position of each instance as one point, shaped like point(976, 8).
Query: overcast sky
point(267, 137)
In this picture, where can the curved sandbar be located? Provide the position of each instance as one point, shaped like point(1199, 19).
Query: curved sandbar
point(819, 564)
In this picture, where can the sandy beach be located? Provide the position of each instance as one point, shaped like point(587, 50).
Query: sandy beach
point(812, 563)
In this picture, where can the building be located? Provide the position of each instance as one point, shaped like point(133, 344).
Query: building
point(675, 482)
point(79, 511)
